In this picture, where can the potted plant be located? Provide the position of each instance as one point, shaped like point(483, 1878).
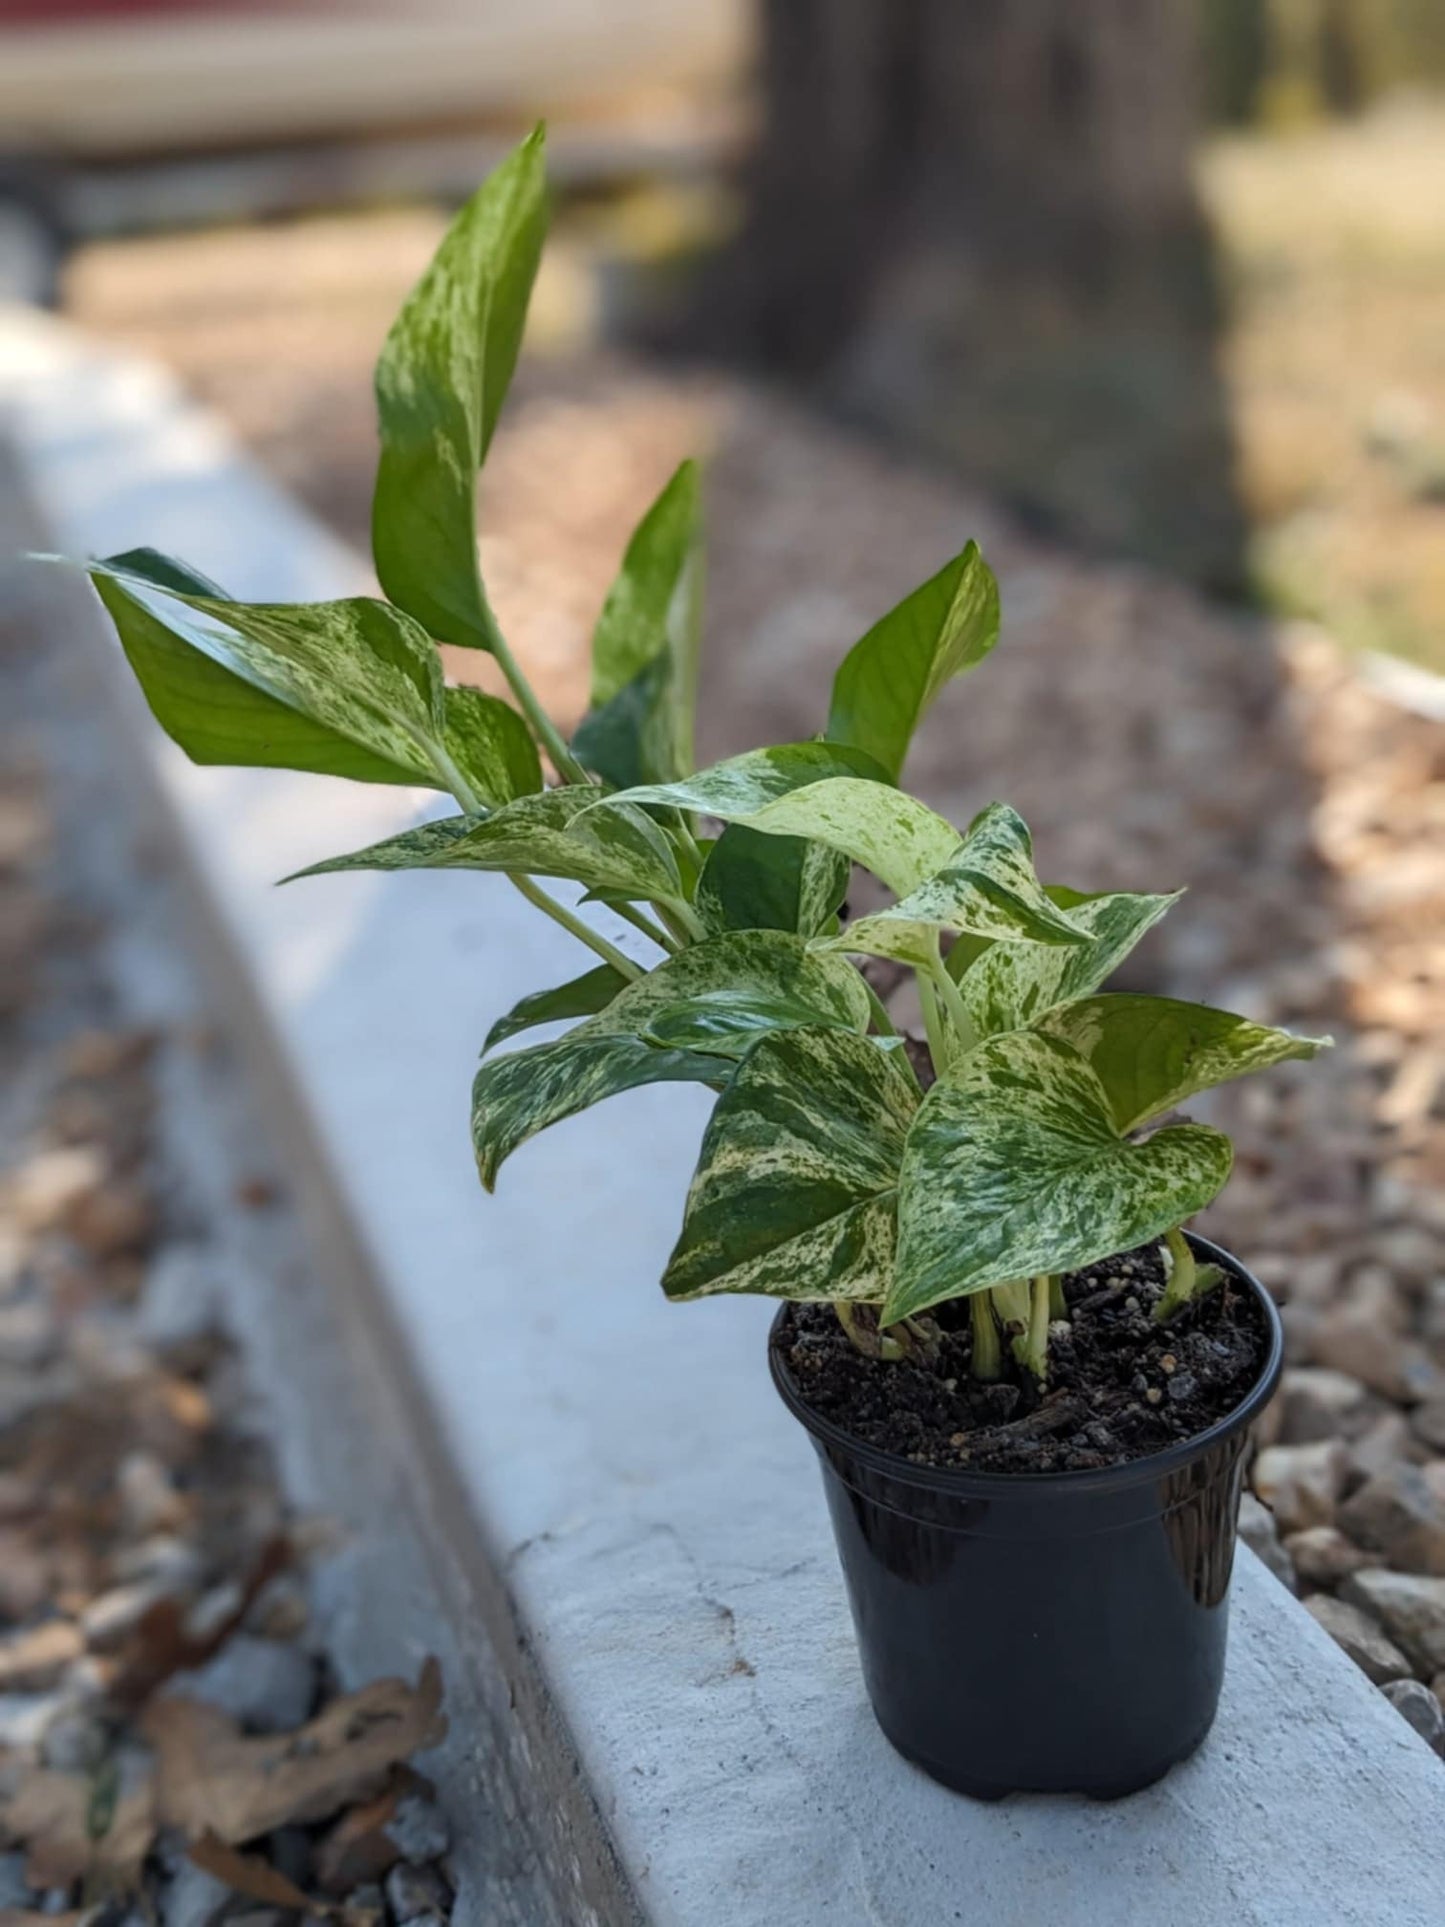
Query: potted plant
point(1029, 1387)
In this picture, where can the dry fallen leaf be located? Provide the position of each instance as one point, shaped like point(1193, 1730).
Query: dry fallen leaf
point(163, 1643)
point(358, 1851)
point(211, 1778)
point(75, 1826)
point(35, 1659)
point(248, 1874)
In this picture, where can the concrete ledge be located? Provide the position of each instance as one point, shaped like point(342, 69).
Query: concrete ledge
point(661, 1557)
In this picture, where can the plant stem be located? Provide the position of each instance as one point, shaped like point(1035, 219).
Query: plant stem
point(885, 1024)
point(1179, 1287)
point(1058, 1304)
point(559, 913)
point(933, 1024)
point(640, 920)
point(1035, 1355)
point(863, 1337)
point(467, 797)
point(965, 1036)
point(680, 917)
point(987, 1352)
point(543, 728)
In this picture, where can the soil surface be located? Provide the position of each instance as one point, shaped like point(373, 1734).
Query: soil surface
point(1120, 1385)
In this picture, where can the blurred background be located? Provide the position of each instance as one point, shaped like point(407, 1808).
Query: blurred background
point(1147, 295)
point(1165, 279)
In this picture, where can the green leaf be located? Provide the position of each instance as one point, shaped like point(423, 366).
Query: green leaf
point(744, 785)
point(888, 680)
point(1152, 1053)
point(341, 688)
point(440, 384)
point(521, 1093)
point(631, 739)
point(755, 882)
point(584, 996)
point(491, 746)
point(1015, 1166)
point(165, 572)
point(729, 1022)
point(556, 833)
point(1009, 986)
point(823, 791)
point(643, 617)
point(795, 1188)
point(987, 888)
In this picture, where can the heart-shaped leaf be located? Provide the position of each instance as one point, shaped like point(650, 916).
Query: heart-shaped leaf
point(613, 849)
point(645, 647)
point(888, 680)
point(1015, 1166)
point(824, 792)
point(440, 383)
point(1010, 986)
point(348, 688)
point(584, 996)
point(987, 888)
point(519, 1094)
point(1152, 1053)
point(795, 1188)
point(755, 882)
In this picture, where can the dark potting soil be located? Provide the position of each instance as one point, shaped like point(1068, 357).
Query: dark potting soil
point(1120, 1386)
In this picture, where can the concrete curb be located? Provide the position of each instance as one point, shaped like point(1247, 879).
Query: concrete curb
point(660, 1556)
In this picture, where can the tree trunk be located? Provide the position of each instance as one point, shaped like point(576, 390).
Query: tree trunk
point(974, 226)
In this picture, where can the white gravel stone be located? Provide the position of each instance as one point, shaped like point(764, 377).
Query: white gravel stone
point(1258, 1531)
point(1301, 1483)
point(1399, 1515)
point(1355, 1633)
point(1323, 1556)
point(193, 1898)
point(181, 1298)
point(267, 1686)
point(1409, 1605)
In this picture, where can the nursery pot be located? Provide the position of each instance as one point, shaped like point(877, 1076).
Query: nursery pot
point(1049, 1633)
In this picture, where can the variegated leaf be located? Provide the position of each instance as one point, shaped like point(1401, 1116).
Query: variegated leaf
point(1015, 1166)
point(888, 680)
point(350, 688)
point(892, 834)
point(556, 833)
point(742, 786)
point(1152, 1053)
point(583, 996)
point(440, 384)
point(519, 1094)
point(755, 882)
point(729, 1022)
point(987, 888)
point(794, 1193)
point(1010, 986)
point(492, 747)
point(645, 646)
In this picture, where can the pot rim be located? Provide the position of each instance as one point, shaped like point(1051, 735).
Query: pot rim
point(962, 1483)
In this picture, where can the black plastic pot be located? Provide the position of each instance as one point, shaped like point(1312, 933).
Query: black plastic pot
point(1057, 1633)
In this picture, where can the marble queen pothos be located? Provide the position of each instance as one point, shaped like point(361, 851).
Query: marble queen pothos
point(828, 1171)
